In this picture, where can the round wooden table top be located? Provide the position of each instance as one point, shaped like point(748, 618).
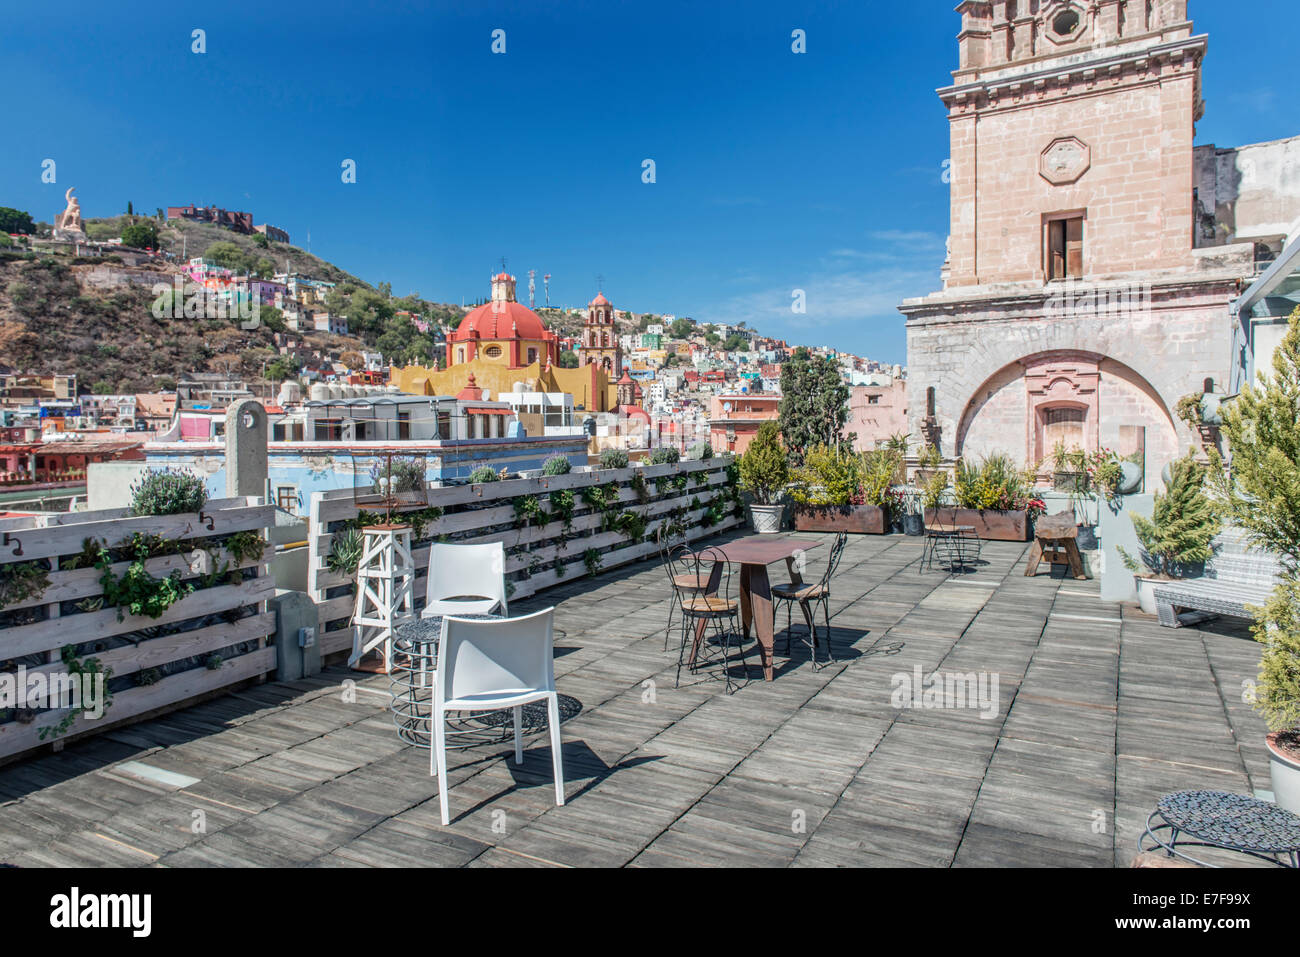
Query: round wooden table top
point(949, 529)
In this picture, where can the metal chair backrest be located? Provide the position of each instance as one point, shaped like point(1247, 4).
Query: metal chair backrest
point(833, 560)
point(712, 564)
point(680, 564)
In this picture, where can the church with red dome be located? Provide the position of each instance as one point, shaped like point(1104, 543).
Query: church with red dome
point(503, 332)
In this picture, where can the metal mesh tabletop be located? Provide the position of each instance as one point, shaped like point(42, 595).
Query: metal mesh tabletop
point(1234, 822)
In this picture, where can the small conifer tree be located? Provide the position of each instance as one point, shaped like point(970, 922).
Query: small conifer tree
point(1261, 494)
point(1182, 526)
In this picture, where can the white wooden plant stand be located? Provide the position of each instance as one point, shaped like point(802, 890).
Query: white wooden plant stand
point(385, 590)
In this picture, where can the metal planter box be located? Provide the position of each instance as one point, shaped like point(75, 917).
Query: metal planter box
point(858, 519)
point(989, 525)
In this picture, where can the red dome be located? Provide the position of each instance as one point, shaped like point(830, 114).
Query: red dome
point(501, 320)
point(600, 300)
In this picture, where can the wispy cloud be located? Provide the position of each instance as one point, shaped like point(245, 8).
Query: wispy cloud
point(1261, 99)
point(912, 238)
point(833, 299)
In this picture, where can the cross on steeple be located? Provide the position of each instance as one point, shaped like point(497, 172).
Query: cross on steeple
point(600, 283)
point(503, 263)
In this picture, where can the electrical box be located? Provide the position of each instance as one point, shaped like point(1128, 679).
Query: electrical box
point(306, 637)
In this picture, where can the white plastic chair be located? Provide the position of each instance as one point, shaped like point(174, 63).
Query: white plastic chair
point(476, 573)
point(490, 666)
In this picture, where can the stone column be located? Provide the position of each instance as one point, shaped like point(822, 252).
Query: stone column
point(246, 457)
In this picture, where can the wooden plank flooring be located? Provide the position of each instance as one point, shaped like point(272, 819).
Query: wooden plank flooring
point(1098, 712)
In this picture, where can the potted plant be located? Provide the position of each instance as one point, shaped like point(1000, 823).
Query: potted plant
point(836, 491)
point(1177, 540)
point(1069, 470)
point(992, 497)
point(764, 473)
point(1262, 496)
point(911, 505)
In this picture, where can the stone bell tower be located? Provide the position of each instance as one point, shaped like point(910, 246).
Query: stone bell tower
point(1097, 101)
point(1075, 309)
point(600, 338)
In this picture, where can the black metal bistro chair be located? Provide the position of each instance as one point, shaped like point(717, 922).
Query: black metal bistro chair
point(670, 541)
point(710, 615)
point(810, 595)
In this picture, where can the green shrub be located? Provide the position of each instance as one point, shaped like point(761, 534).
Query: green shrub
point(168, 492)
point(763, 468)
point(345, 551)
point(665, 455)
point(700, 451)
point(613, 459)
point(827, 477)
point(995, 484)
point(484, 473)
point(1182, 526)
point(556, 465)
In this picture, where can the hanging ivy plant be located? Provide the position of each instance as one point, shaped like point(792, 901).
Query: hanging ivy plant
point(21, 581)
point(245, 546)
point(528, 509)
point(83, 672)
point(136, 591)
point(562, 503)
point(591, 558)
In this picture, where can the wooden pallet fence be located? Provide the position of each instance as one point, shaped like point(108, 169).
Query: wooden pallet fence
point(538, 556)
point(213, 637)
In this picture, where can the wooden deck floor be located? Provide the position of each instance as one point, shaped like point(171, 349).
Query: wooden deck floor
point(1100, 712)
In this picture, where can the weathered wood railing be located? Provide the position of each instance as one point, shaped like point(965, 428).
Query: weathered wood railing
point(700, 495)
point(212, 637)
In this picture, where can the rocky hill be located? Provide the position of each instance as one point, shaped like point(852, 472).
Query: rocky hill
point(93, 316)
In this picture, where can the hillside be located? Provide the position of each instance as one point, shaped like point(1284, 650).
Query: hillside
point(55, 319)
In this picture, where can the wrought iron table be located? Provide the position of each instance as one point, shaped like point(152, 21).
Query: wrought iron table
point(959, 544)
point(1231, 822)
point(415, 661)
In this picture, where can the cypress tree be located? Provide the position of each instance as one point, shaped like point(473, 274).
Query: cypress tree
point(1261, 493)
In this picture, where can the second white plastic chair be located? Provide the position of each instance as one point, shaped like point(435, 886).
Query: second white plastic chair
point(475, 573)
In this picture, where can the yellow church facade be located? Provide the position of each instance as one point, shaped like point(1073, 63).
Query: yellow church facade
point(591, 387)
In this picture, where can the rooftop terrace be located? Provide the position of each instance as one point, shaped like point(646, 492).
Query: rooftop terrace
point(1100, 712)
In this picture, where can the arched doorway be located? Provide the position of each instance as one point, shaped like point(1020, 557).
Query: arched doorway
point(1080, 399)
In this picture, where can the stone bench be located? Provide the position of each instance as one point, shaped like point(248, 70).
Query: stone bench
point(1237, 579)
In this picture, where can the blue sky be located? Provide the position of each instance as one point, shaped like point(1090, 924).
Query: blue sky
point(774, 171)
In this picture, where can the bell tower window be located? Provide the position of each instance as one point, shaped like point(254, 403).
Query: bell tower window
point(1066, 23)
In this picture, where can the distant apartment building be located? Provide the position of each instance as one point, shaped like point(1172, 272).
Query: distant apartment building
point(230, 219)
point(31, 390)
point(273, 233)
point(734, 418)
point(877, 411)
